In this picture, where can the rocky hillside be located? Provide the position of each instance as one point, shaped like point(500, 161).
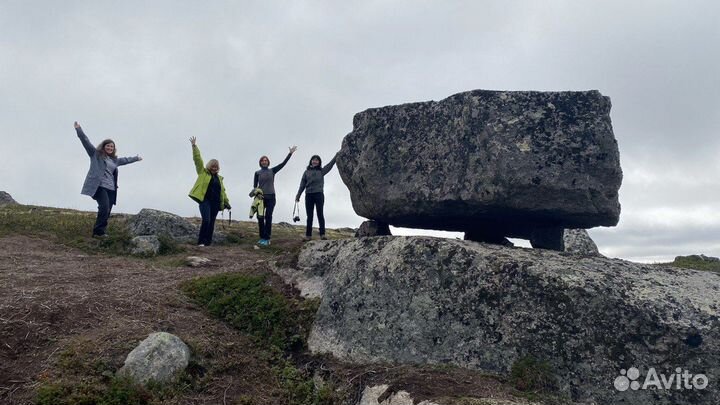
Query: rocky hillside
point(72, 308)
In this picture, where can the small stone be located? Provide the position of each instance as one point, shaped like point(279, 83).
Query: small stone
point(146, 245)
point(197, 261)
point(158, 358)
point(373, 228)
point(578, 241)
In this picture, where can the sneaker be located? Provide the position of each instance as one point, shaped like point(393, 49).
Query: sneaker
point(322, 237)
point(267, 242)
point(201, 245)
point(307, 238)
point(99, 236)
point(260, 242)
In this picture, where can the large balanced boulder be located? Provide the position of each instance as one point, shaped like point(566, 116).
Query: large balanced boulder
point(522, 164)
point(6, 199)
point(593, 319)
point(158, 358)
point(155, 222)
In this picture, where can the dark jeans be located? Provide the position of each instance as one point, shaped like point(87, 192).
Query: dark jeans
point(265, 223)
point(314, 200)
point(208, 211)
point(104, 198)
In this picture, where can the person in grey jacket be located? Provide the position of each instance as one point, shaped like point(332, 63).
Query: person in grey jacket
point(265, 180)
point(312, 183)
point(101, 179)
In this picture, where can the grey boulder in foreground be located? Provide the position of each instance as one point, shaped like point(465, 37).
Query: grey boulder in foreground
point(423, 300)
point(492, 163)
point(158, 358)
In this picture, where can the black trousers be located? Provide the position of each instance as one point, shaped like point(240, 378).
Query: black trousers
point(104, 198)
point(265, 223)
point(208, 212)
point(314, 201)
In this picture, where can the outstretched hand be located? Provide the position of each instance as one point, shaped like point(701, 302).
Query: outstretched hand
point(192, 140)
point(76, 125)
point(139, 158)
point(292, 149)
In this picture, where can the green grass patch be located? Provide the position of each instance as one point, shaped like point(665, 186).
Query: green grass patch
point(532, 375)
point(695, 262)
point(249, 304)
point(116, 391)
point(301, 389)
point(68, 227)
point(278, 324)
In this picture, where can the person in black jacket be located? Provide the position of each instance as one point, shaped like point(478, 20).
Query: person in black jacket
point(265, 180)
point(313, 181)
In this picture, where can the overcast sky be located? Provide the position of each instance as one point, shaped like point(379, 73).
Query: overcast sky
point(252, 78)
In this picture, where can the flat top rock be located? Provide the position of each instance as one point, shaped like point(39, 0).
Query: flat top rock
point(512, 159)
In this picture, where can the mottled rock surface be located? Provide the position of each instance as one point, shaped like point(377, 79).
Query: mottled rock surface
point(145, 245)
point(578, 241)
point(155, 222)
point(504, 162)
point(6, 198)
point(429, 300)
point(372, 228)
point(158, 358)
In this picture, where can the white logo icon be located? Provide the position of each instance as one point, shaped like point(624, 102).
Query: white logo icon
point(680, 380)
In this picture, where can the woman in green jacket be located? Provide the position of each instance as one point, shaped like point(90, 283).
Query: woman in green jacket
point(209, 193)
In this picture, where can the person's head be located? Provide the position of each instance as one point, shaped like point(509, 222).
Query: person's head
point(264, 161)
point(213, 166)
point(106, 148)
point(315, 162)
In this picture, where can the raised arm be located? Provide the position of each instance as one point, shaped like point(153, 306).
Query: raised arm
point(127, 160)
point(329, 166)
point(284, 162)
point(89, 148)
point(303, 182)
point(199, 166)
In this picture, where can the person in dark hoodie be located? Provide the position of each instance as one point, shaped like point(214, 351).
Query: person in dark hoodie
point(312, 183)
point(265, 180)
point(101, 179)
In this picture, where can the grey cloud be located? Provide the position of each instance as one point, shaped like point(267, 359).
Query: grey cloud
point(252, 78)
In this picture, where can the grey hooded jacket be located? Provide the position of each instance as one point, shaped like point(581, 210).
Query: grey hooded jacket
point(97, 166)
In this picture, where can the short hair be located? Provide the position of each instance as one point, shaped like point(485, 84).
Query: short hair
point(212, 162)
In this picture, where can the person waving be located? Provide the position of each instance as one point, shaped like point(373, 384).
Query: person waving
point(101, 181)
point(265, 180)
point(208, 192)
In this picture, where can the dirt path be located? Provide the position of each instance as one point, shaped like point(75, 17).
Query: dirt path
point(57, 302)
